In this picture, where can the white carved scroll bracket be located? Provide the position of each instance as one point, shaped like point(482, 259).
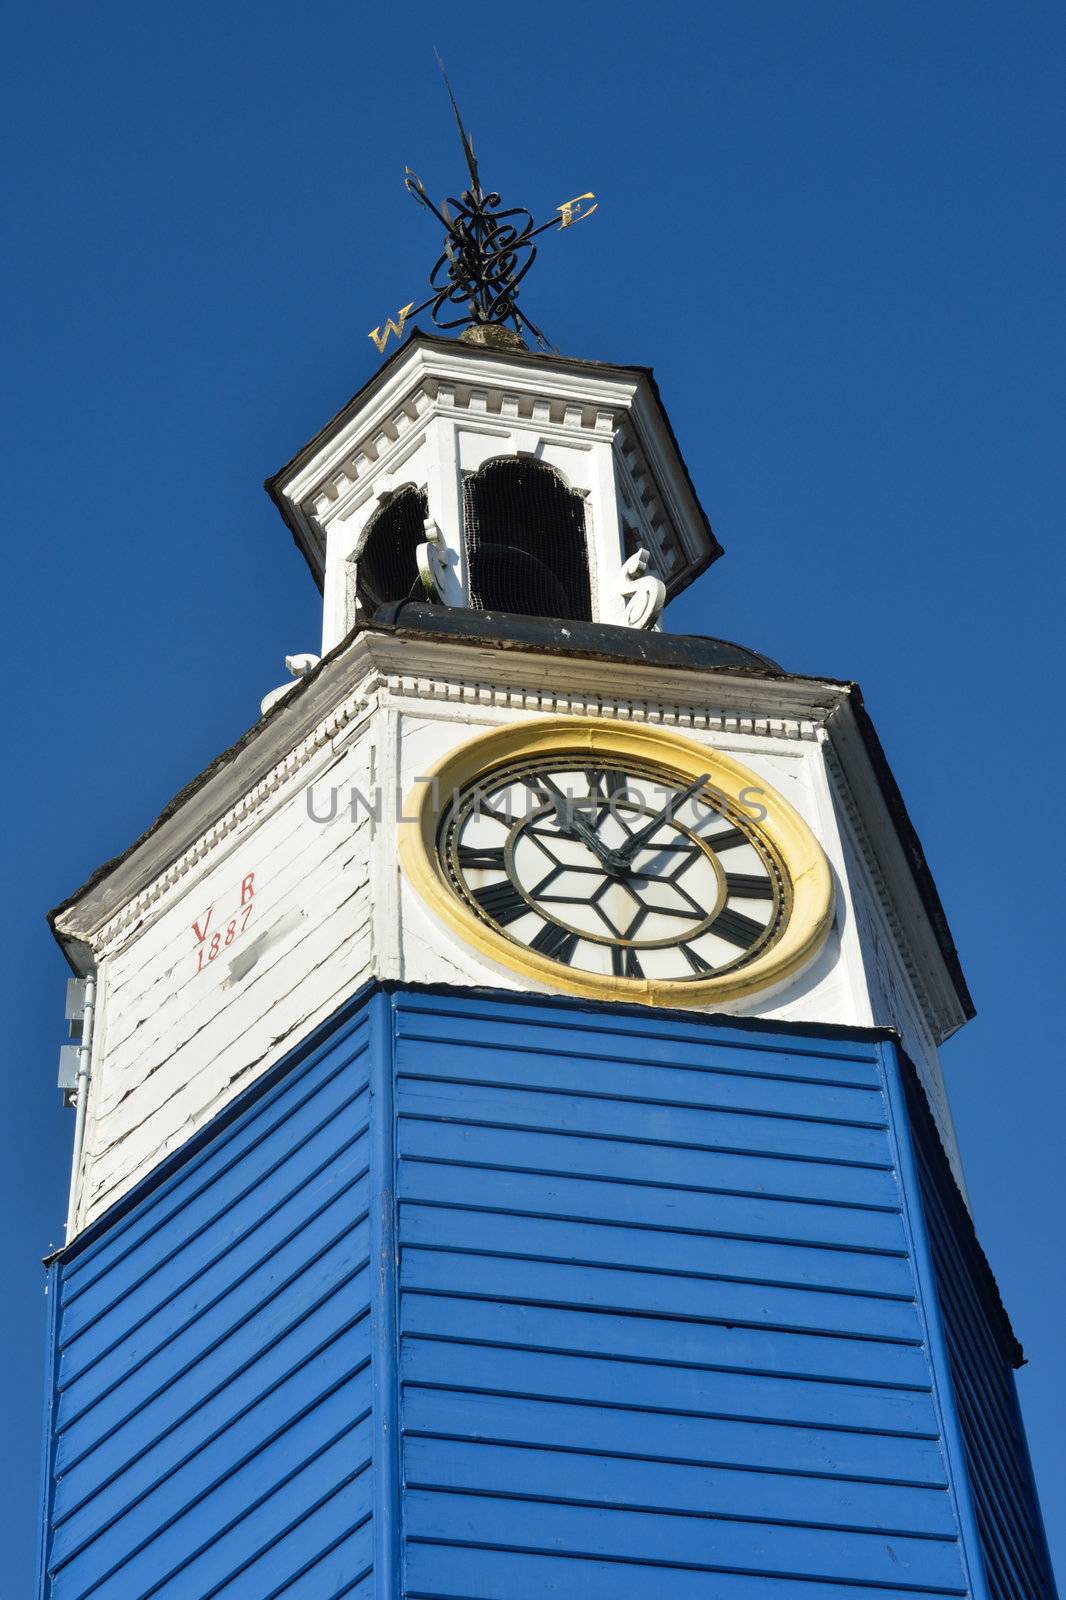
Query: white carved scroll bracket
point(436, 568)
point(299, 666)
point(643, 594)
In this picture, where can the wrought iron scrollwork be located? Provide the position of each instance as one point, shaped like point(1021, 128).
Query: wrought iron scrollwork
point(488, 249)
point(487, 252)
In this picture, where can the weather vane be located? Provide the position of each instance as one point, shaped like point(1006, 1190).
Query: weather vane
point(487, 253)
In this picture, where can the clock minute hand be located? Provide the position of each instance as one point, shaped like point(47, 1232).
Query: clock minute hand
point(629, 849)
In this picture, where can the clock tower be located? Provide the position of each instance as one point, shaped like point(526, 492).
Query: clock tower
point(511, 1153)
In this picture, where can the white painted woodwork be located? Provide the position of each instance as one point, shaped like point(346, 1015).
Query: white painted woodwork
point(330, 910)
point(440, 410)
point(181, 1034)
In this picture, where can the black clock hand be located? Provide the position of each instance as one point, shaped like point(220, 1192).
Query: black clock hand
point(629, 849)
point(571, 821)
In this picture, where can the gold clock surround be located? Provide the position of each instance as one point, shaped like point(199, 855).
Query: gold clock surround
point(810, 882)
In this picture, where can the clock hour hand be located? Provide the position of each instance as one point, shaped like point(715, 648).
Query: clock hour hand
point(629, 849)
point(575, 825)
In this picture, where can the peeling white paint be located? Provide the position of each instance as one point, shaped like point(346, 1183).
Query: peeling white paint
point(178, 1037)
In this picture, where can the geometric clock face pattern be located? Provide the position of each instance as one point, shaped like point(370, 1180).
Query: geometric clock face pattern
point(614, 868)
point(617, 861)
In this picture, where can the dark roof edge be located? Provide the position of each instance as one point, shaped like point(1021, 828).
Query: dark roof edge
point(296, 531)
point(194, 785)
point(416, 619)
point(912, 848)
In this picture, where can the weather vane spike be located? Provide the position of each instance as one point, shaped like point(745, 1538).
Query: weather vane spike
point(468, 143)
point(487, 253)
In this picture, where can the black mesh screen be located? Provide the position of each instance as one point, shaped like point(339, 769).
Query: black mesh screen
point(525, 542)
point(387, 568)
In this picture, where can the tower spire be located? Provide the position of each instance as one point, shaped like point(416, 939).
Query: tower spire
point(468, 143)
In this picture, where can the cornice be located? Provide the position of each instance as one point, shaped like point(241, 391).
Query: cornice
point(143, 904)
point(405, 687)
point(274, 750)
point(225, 794)
point(333, 487)
point(936, 983)
point(537, 680)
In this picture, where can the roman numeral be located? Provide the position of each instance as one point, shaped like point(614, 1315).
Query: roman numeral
point(749, 885)
point(625, 963)
point(550, 795)
point(558, 944)
point(727, 840)
point(502, 902)
point(695, 960)
point(489, 857)
point(490, 811)
point(604, 781)
point(738, 929)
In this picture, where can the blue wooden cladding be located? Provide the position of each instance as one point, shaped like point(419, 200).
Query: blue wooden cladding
point(659, 1313)
point(981, 1351)
point(212, 1411)
point(482, 1298)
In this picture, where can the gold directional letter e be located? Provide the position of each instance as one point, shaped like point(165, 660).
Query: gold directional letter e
point(575, 210)
point(382, 339)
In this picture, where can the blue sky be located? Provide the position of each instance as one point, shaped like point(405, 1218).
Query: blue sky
point(834, 229)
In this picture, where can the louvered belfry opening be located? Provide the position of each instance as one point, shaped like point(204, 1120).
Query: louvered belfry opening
point(387, 567)
point(525, 541)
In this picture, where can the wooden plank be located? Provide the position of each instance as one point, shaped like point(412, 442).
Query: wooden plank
point(638, 1429)
point(168, 1036)
point(675, 1040)
point(208, 1539)
point(214, 1405)
point(598, 1328)
point(520, 1067)
point(763, 1548)
point(173, 1016)
point(642, 1203)
point(696, 1255)
point(174, 1001)
point(591, 1153)
point(534, 1281)
point(441, 1571)
point(322, 1075)
point(333, 1572)
point(232, 1246)
point(649, 1122)
point(215, 1077)
point(581, 1477)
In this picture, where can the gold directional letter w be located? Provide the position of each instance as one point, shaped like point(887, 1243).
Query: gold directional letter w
point(382, 339)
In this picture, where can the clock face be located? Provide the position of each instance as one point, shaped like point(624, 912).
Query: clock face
point(617, 861)
point(614, 868)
